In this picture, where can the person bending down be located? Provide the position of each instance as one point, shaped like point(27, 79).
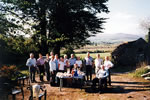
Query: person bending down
point(101, 78)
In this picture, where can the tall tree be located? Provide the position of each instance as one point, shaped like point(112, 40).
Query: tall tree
point(61, 23)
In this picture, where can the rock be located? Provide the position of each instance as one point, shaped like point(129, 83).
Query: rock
point(143, 75)
point(147, 78)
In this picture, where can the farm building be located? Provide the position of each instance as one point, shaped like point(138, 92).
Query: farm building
point(132, 53)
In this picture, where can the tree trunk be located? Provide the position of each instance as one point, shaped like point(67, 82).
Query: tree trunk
point(43, 32)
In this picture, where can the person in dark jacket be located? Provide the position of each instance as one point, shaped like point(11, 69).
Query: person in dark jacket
point(47, 67)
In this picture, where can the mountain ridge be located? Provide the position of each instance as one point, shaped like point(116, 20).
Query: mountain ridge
point(115, 38)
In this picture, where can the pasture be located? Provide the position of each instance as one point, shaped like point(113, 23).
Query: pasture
point(83, 55)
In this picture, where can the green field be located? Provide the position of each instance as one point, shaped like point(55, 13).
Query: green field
point(94, 55)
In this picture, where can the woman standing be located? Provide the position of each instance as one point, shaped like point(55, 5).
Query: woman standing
point(61, 65)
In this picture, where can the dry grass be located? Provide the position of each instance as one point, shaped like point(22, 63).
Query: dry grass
point(92, 48)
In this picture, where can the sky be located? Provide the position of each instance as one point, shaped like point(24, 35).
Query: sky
point(125, 16)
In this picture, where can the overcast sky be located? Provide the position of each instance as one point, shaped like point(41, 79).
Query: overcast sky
point(126, 15)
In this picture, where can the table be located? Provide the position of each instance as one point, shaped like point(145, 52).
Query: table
point(62, 76)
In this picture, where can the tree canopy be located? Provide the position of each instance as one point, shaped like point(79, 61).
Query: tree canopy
point(54, 24)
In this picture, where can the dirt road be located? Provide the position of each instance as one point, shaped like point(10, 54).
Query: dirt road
point(123, 87)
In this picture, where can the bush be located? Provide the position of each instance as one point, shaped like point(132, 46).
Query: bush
point(9, 72)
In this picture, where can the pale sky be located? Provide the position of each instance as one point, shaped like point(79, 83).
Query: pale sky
point(126, 15)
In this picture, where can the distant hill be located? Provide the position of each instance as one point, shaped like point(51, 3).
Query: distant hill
point(114, 38)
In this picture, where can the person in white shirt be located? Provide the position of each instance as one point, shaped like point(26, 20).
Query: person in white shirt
point(52, 65)
point(61, 65)
point(108, 64)
point(101, 78)
point(98, 62)
point(31, 63)
point(79, 63)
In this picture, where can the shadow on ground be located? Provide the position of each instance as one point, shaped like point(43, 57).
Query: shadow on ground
point(126, 87)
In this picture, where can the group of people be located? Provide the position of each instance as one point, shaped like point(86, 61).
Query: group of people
point(52, 64)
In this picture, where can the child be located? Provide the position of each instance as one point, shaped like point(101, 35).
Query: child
point(74, 70)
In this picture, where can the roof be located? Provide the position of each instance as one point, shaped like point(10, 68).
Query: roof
point(132, 45)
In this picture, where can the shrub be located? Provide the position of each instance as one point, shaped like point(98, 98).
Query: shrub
point(9, 72)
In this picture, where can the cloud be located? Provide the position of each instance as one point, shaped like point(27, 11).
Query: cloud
point(122, 15)
point(121, 22)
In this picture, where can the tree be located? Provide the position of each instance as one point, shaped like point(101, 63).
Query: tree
point(61, 23)
point(13, 46)
point(145, 25)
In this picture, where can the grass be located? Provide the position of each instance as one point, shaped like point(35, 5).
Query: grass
point(26, 72)
point(141, 69)
point(94, 55)
point(138, 72)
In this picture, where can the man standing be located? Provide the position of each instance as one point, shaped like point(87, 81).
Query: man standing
point(47, 60)
point(40, 63)
point(31, 63)
point(108, 64)
point(72, 61)
point(88, 63)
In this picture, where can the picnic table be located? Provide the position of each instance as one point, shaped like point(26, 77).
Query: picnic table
point(62, 76)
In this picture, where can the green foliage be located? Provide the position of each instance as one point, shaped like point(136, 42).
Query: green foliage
point(25, 72)
point(138, 72)
point(9, 72)
point(13, 50)
point(59, 23)
point(147, 37)
point(141, 69)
